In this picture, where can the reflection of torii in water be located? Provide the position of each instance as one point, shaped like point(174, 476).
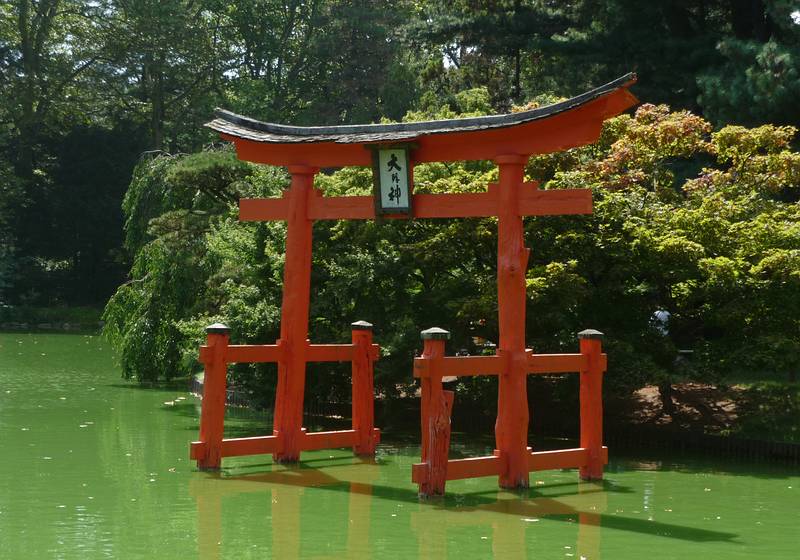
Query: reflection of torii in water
point(582, 503)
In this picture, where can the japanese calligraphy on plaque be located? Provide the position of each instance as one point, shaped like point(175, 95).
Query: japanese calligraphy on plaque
point(392, 177)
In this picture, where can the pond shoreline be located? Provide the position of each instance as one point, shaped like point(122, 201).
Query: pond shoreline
point(618, 432)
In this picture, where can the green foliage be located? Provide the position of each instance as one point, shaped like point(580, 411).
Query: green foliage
point(85, 87)
point(192, 260)
point(10, 197)
point(759, 82)
point(769, 411)
point(686, 220)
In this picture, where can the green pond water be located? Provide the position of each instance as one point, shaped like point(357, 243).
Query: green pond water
point(93, 467)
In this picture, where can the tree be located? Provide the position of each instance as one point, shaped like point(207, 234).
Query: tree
point(686, 220)
point(48, 48)
point(759, 79)
point(171, 59)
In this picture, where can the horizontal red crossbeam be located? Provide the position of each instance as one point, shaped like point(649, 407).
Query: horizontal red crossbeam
point(262, 445)
point(467, 366)
point(531, 202)
point(493, 465)
point(258, 353)
point(332, 440)
point(238, 446)
point(245, 354)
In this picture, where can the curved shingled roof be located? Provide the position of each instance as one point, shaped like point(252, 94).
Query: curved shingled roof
point(246, 128)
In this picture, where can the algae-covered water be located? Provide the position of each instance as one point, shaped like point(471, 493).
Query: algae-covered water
point(93, 467)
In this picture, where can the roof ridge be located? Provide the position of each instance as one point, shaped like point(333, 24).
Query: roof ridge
point(232, 123)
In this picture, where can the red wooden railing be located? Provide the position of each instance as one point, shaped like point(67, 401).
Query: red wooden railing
point(218, 353)
point(435, 469)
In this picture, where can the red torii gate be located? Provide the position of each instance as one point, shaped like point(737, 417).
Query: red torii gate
point(508, 140)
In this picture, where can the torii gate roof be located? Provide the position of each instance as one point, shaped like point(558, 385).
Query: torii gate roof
point(574, 122)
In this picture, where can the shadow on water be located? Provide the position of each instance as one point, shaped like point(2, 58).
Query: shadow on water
point(580, 503)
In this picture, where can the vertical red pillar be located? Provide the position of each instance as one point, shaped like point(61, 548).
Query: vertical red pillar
point(212, 412)
point(288, 419)
point(363, 389)
point(592, 403)
point(436, 407)
point(511, 428)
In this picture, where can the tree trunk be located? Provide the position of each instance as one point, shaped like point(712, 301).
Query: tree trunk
point(665, 392)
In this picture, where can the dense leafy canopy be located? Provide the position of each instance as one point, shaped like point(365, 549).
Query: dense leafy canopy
point(688, 221)
point(695, 214)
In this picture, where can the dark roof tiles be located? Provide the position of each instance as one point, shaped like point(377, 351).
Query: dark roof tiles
point(251, 129)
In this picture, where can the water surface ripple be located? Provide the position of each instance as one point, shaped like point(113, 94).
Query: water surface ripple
point(95, 467)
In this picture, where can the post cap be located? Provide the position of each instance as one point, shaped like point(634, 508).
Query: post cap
point(361, 326)
point(435, 333)
point(218, 328)
point(590, 334)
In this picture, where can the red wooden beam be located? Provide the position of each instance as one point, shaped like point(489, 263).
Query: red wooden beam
point(234, 447)
point(556, 363)
point(342, 208)
point(562, 459)
point(493, 465)
point(249, 446)
point(534, 202)
point(329, 352)
point(467, 366)
point(461, 366)
point(475, 467)
point(263, 209)
point(253, 353)
point(457, 469)
point(331, 440)
point(457, 205)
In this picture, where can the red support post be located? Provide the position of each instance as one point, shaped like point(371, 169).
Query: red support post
point(363, 389)
point(511, 428)
point(212, 414)
point(436, 407)
point(288, 420)
point(591, 396)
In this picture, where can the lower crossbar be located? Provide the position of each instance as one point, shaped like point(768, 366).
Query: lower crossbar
point(263, 445)
point(494, 465)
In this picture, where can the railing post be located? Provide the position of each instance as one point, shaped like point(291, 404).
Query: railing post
point(212, 412)
point(363, 389)
point(437, 405)
point(592, 403)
